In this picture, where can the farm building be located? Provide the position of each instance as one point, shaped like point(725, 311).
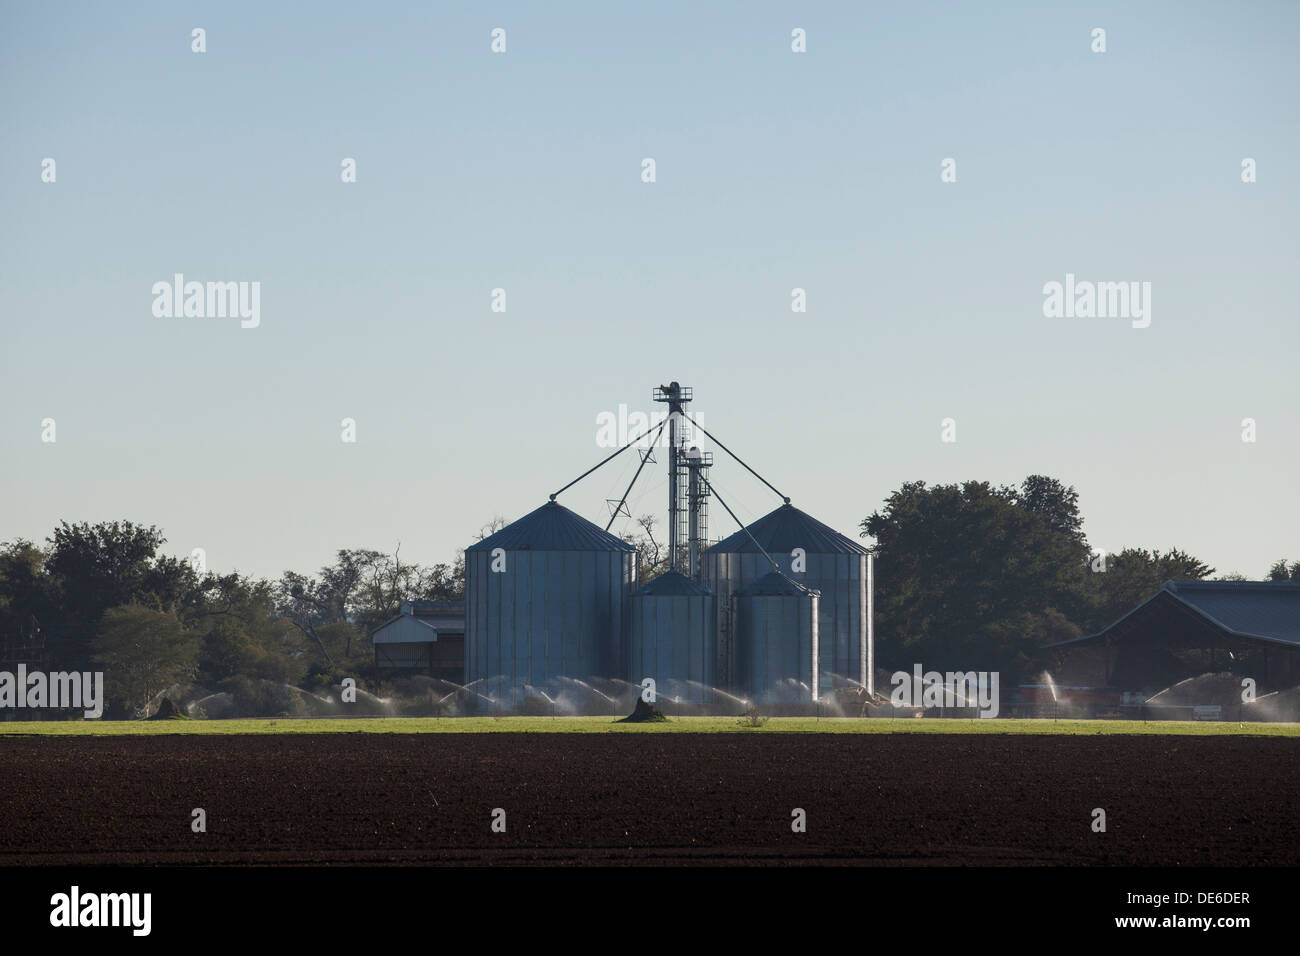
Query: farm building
point(424, 636)
point(547, 598)
point(776, 627)
point(670, 635)
point(779, 609)
point(1246, 629)
point(814, 556)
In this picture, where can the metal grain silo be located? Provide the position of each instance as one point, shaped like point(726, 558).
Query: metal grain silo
point(777, 639)
point(831, 563)
point(671, 623)
point(545, 597)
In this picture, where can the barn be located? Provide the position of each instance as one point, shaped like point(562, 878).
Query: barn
point(426, 637)
point(1189, 630)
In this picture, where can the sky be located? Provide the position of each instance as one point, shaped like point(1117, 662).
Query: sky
point(774, 170)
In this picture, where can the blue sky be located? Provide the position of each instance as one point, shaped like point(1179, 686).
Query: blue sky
point(521, 171)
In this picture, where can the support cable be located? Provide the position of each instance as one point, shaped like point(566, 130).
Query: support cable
point(644, 459)
point(714, 491)
point(737, 457)
point(556, 494)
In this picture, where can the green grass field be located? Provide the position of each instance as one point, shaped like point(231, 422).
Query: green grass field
point(604, 725)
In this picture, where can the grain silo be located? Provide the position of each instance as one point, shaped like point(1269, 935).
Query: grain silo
point(777, 626)
point(671, 623)
point(545, 597)
point(815, 556)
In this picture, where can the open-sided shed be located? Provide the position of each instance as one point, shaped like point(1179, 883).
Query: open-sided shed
point(1248, 628)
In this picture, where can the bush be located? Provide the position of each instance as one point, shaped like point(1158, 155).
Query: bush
point(142, 651)
point(260, 698)
point(225, 650)
point(319, 674)
point(276, 667)
point(752, 718)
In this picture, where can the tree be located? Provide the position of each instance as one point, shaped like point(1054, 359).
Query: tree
point(1133, 576)
point(307, 604)
point(1281, 571)
point(340, 638)
point(26, 596)
point(446, 582)
point(495, 524)
point(976, 577)
point(385, 583)
point(1054, 501)
point(239, 629)
point(651, 561)
point(362, 589)
point(224, 651)
point(142, 651)
point(103, 565)
point(110, 564)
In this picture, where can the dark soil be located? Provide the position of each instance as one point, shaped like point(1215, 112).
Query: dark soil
point(672, 798)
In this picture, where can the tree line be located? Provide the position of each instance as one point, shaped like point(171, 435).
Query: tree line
point(968, 575)
point(979, 576)
point(103, 597)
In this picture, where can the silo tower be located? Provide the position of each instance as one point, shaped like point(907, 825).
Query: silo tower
point(545, 597)
point(676, 397)
point(799, 591)
point(816, 557)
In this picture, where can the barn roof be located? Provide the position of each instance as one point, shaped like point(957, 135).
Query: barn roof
point(422, 608)
point(419, 630)
point(788, 528)
point(552, 527)
point(1266, 611)
point(439, 616)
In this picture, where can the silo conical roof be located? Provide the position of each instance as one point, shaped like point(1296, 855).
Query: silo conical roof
point(672, 583)
point(774, 582)
point(788, 528)
point(552, 527)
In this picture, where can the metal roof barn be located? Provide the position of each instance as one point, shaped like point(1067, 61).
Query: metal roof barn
point(833, 564)
point(671, 625)
point(546, 598)
point(777, 640)
point(1188, 627)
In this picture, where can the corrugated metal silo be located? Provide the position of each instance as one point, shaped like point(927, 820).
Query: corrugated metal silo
point(545, 597)
point(671, 636)
point(832, 564)
point(777, 639)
